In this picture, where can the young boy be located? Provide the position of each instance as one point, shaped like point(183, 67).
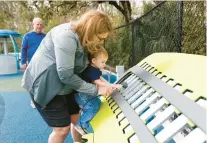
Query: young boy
point(90, 104)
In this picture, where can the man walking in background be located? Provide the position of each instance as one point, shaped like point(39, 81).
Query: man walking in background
point(31, 42)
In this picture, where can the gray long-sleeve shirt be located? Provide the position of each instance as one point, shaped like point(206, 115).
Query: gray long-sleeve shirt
point(55, 66)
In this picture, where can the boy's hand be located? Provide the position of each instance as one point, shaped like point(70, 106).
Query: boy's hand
point(116, 86)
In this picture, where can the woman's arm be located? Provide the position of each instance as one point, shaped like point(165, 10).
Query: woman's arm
point(101, 82)
point(65, 48)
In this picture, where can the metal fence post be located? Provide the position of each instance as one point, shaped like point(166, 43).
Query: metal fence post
point(180, 21)
point(133, 59)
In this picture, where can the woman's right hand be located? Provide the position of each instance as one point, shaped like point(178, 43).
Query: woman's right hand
point(104, 90)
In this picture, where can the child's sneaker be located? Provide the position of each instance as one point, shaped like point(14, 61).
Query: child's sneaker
point(32, 104)
point(84, 140)
point(82, 131)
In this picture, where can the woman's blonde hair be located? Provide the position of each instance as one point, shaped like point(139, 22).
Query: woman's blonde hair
point(92, 23)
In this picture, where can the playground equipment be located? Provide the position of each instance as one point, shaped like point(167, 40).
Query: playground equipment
point(164, 102)
point(9, 63)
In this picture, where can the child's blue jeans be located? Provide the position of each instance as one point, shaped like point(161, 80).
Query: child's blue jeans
point(90, 106)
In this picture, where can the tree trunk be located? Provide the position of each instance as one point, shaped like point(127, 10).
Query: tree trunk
point(124, 7)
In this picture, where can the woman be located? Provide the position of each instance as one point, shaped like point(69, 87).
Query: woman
point(53, 72)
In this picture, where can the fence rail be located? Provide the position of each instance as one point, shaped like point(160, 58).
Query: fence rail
point(171, 26)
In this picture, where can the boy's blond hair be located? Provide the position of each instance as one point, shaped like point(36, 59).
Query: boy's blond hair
point(100, 51)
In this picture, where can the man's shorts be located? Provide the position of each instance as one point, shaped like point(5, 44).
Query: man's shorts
point(57, 112)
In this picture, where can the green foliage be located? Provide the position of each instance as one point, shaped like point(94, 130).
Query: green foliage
point(158, 32)
point(147, 6)
point(119, 47)
point(18, 15)
point(52, 22)
point(194, 30)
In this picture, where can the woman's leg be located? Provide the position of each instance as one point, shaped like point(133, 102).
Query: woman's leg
point(56, 115)
point(58, 134)
point(77, 137)
point(73, 110)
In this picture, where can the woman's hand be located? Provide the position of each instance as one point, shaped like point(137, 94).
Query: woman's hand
point(104, 90)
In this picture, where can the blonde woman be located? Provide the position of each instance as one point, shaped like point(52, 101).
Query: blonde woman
point(53, 72)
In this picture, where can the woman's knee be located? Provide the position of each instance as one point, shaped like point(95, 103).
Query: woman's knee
point(74, 118)
point(62, 131)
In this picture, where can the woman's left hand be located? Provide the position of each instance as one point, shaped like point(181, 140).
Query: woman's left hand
point(110, 89)
point(105, 90)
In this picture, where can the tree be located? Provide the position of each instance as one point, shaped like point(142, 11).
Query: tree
point(49, 8)
point(13, 16)
point(123, 6)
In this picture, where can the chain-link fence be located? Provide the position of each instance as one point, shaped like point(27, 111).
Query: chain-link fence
point(169, 27)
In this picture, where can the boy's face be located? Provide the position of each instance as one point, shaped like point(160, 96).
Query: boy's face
point(99, 62)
